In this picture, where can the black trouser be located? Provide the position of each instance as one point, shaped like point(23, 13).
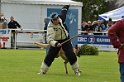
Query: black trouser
point(13, 39)
point(53, 51)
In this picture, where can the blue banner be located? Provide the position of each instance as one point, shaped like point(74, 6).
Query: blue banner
point(101, 40)
point(3, 31)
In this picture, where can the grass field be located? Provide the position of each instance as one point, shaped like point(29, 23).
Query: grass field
point(23, 66)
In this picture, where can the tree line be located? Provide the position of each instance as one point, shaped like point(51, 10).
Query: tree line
point(92, 8)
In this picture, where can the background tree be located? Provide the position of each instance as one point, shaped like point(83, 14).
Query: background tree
point(92, 8)
point(113, 4)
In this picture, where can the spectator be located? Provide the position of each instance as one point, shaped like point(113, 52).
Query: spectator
point(100, 26)
point(109, 24)
point(2, 15)
point(89, 28)
point(3, 23)
point(103, 25)
point(83, 27)
point(95, 25)
point(13, 25)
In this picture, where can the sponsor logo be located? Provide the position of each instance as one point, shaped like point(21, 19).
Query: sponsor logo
point(36, 36)
point(103, 40)
point(72, 18)
point(4, 31)
point(82, 39)
point(91, 39)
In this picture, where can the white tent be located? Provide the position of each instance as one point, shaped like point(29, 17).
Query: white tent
point(116, 14)
point(52, 2)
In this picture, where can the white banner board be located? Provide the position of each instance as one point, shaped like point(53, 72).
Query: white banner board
point(5, 38)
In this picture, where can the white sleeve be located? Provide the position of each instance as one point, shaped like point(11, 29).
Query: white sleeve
point(51, 36)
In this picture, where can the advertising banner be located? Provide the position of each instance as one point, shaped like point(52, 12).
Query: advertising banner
point(36, 36)
point(101, 42)
point(5, 38)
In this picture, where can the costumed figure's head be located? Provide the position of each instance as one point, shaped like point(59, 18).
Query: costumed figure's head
point(55, 19)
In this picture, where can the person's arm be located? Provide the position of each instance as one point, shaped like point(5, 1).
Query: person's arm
point(18, 25)
point(113, 34)
point(64, 12)
point(45, 28)
point(9, 25)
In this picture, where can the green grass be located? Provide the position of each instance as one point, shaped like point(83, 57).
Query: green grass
point(23, 66)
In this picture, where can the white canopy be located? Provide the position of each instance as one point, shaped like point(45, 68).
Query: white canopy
point(45, 2)
point(116, 14)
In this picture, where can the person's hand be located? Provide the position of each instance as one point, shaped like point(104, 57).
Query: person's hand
point(59, 45)
point(21, 28)
point(121, 46)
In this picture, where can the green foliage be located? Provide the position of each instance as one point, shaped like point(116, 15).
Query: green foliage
point(89, 50)
point(92, 8)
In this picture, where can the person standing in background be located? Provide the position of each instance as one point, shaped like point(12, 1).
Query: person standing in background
point(89, 28)
point(13, 25)
point(103, 25)
point(109, 24)
point(3, 23)
point(83, 27)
